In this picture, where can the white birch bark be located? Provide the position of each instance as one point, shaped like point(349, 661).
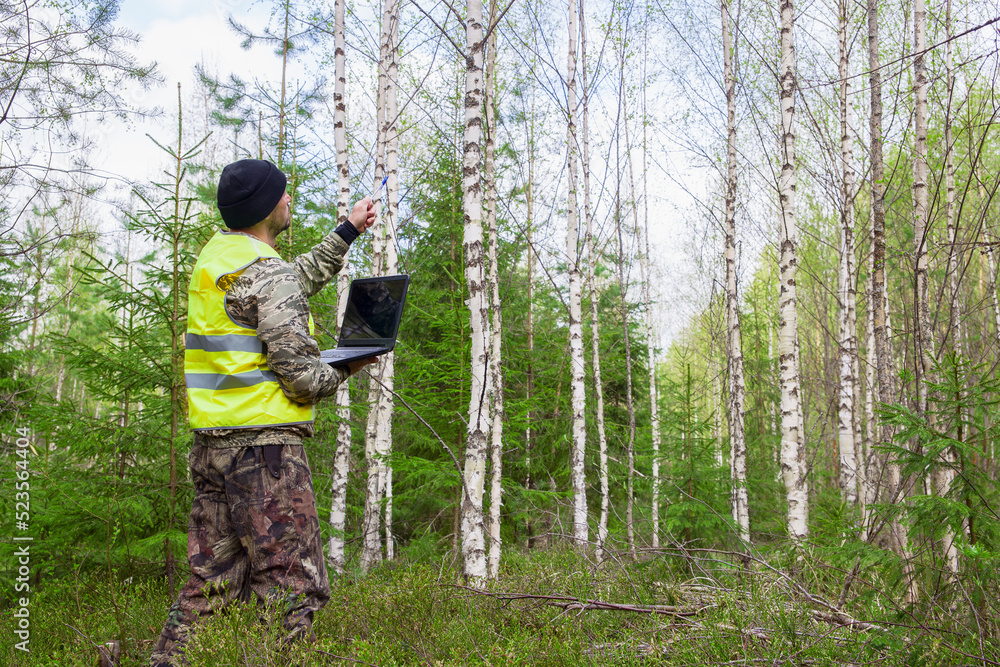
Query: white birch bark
point(846, 435)
point(371, 547)
point(868, 484)
point(921, 227)
point(715, 402)
point(991, 263)
point(629, 400)
point(342, 458)
point(793, 466)
point(595, 330)
point(955, 316)
point(529, 482)
point(577, 363)
point(651, 334)
point(921, 236)
point(737, 387)
point(375, 431)
point(945, 473)
point(473, 538)
point(496, 325)
point(891, 488)
point(383, 445)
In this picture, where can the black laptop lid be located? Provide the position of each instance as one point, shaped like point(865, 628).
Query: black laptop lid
point(374, 309)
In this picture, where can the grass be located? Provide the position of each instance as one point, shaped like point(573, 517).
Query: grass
point(405, 613)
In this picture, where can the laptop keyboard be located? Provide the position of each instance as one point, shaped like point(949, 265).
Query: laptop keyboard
point(348, 352)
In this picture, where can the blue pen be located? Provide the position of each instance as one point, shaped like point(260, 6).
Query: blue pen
point(378, 190)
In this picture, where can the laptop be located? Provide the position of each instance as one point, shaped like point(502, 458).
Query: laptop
point(371, 321)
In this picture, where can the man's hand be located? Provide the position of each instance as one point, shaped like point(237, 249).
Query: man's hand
point(362, 215)
point(358, 364)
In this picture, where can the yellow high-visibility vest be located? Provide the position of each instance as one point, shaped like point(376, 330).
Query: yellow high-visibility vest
point(225, 368)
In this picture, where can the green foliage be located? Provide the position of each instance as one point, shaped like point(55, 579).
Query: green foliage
point(695, 485)
point(419, 613)
point(956, 436)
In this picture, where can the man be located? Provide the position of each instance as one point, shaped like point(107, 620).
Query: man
point(253, 375)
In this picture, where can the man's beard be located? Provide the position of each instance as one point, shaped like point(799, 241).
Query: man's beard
point(278, 226)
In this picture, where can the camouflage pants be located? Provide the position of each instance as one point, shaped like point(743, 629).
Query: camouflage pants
point(250, 535)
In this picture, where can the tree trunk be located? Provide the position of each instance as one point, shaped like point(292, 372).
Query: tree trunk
point(579, 401)
point(176, 353)
point(389, 229)
point(945, 473)
point(651, 335)
point(378, 432)
point(921, 226)
point(924, 338)
point(281, 104)
point(869, 480)
point(886, 393)
point(342, 458)
point(793, 464)
point(737, 386)
point(629, 403)
point(371, 545)
point(496, 328)
point(473, 548)
point(848, 311)
point(595, 331)
point(529, 482)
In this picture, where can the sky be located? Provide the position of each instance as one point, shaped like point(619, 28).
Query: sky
point(182, 33)
point(177, 35)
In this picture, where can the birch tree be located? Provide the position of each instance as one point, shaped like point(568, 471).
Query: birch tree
point(390, 224)
point(944, 474)
point(342, 458)
point(737, 386)
point(595, 337)
point(496, 322)
point(955, 303)
point(651, 335)
point(921, 227)
point(529, 203)
point(846, 290)
point(622, 123)
point(378, 433)
point(579, 441)
point(793, 464)
point(923, 337)
point(473, 547)
point(886, 392)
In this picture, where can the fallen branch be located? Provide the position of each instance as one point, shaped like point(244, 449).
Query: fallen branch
point(568, 603)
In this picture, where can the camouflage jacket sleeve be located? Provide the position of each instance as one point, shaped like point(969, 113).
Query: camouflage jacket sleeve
point(318, 266)
point(268, 297)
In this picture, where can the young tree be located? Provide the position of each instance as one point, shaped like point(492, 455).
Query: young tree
point(651, 334)
point(473, 540)
point(621, 125)
point(496, 380)
point(793, 463)
point(342, 458)
point(849, 461)
point(734, 356)
point(595, 337)
point(378, 434)
point(891, 488)
point(577, 363)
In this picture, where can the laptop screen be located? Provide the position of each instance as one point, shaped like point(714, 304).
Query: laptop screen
point(373, 310)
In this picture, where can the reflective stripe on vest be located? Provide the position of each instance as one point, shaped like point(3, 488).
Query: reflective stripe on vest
point(225, 365)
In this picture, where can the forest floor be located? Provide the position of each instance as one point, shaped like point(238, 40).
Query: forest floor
point(551, 607)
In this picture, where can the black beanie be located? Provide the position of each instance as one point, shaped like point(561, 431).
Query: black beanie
point(248, 192)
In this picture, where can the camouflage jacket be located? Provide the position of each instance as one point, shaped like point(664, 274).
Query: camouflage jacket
point(271, 297)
